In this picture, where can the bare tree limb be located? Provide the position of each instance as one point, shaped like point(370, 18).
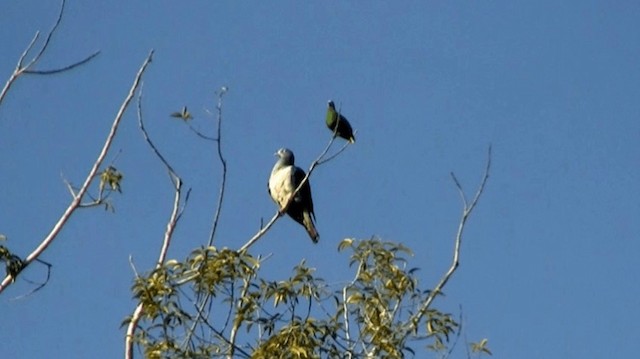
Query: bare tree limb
point(216, 216)
point(49, 36)
point(155, 150)
point(176, 213)
point(28, 68)
point(76, 201)
point(413, 321)
point(62, 69)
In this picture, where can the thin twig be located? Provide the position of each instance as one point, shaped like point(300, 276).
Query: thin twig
point(202, 135)
point(220, 335)
point(19, 68)
point(177, 182)
point(49, 36)
point(149, 142)
point(414, 320)
point(344, 147)
point(76, 201)
point(216, 216)
point(458, 333)
point(62, 69)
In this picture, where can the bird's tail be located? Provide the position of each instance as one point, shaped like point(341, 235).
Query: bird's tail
point(352, 139)
point(310, 227)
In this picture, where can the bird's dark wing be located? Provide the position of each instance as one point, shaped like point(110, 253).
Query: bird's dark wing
point(344, 129)
point(303, 200)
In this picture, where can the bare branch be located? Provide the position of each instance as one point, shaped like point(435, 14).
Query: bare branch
point(202, 135)
point(49, 36)
point(344, 147)
point(76, 201)
point(176, 214)
point(20, 67)
point(62, 69)
point(463, 197)
point(216, 216)
point(148, 139)
point(175, 179)
point(414, 320)
point(27, 69)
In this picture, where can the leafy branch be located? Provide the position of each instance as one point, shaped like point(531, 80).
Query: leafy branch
point(467, 208)
point(76, 201)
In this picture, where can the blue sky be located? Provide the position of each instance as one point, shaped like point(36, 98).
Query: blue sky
point(550, 255)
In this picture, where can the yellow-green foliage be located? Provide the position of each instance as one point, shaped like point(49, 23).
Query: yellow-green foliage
point(372, 314)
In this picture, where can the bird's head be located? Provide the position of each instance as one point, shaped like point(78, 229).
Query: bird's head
point(285, 155)
point(331, 104)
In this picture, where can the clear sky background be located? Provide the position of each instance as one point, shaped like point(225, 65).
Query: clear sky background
point(550, 257)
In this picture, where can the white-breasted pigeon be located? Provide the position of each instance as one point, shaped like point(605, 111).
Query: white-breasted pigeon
point(285, 178)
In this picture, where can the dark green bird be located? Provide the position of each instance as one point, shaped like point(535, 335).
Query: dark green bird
point(336, 119)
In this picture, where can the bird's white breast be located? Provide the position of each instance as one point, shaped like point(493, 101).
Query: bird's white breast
point(281, 185)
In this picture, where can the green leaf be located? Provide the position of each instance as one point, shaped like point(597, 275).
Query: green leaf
point(347, 242)
point(481, 347)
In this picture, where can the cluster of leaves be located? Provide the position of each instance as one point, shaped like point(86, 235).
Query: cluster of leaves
point(384, 298)
point(112, 177)
point(372, 315)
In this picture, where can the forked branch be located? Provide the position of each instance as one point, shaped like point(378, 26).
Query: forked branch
point(468, 207)
point(77, 199)
point(28, 69)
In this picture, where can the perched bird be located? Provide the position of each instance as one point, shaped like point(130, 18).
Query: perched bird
point(285, 178)
point(344, 128)
point(184, 115)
